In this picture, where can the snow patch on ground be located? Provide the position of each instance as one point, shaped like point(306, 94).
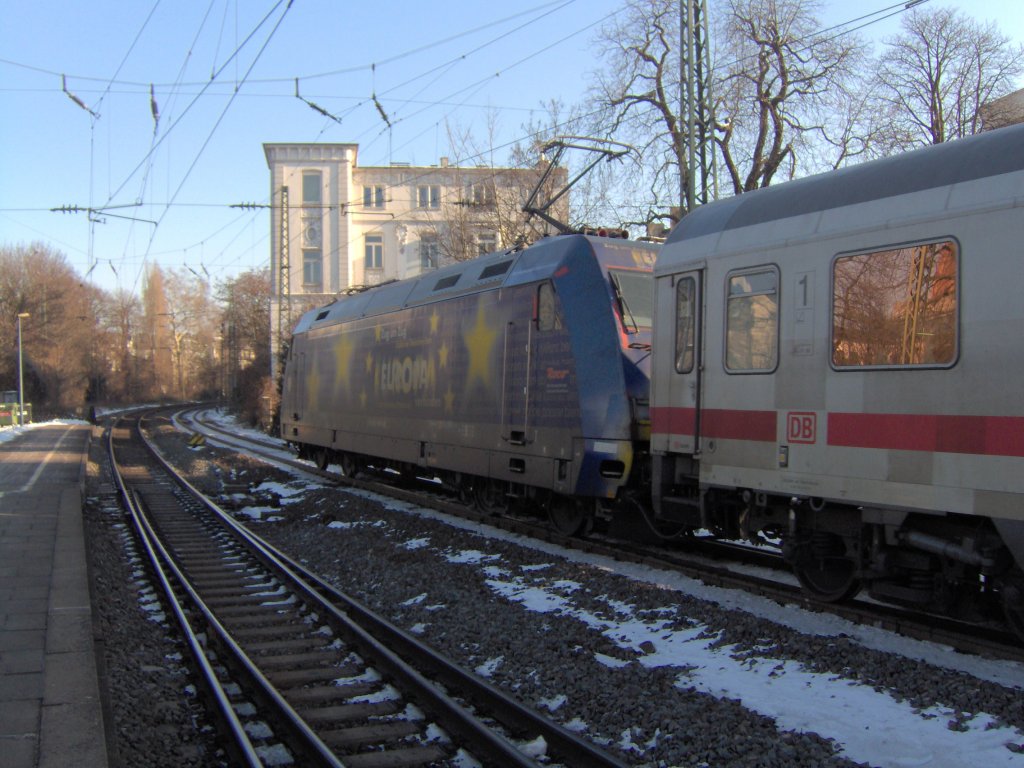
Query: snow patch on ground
point(868, 725)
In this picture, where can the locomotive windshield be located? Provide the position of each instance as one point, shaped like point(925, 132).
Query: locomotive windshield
point(635, 292)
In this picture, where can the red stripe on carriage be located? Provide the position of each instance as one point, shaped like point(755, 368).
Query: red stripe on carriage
point(718, 423)
point(983, 435)
point(980, 435)
point(673, 421)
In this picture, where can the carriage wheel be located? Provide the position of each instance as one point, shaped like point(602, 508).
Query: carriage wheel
point(490, 497)
point(831, 580)
point(827, 572)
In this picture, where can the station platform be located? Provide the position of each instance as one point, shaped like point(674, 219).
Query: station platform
point(50, 706)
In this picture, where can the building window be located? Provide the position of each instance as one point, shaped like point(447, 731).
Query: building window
point(481, 194)
point(752, 321)
point(373, 197)
point(896, 308)
point(486, 243)
point(312, 188)
point(428, 197)
point(430, 253)
point(312, 268)
point(374, 251)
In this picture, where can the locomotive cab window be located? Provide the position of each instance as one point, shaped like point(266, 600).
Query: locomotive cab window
point(686, 315)
point(547, 312)
point(634, 291)
point(896, 308)
point(752, 321)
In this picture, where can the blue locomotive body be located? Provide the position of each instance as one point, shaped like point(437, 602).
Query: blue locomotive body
point(516, 374)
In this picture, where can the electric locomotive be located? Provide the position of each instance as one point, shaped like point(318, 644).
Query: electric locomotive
point(518, 375)
point(838, 362)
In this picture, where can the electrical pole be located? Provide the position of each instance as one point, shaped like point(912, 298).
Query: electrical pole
point(284, 293)
point(21, 373)
point(698, 181)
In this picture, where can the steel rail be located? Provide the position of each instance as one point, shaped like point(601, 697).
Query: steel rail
point(383, 638)
point(225, 712)
point(962, 636)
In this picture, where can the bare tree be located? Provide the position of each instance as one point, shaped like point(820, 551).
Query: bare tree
point(935, 76)
point(193, 321)
point(637, 96)
point(789, 99)
point(245, 341)
point(120, 331)
point(58, 336)
point(155, 346)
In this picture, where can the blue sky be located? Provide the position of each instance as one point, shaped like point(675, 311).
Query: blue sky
point(429, 64)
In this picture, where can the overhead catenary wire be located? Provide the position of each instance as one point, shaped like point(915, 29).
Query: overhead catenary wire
point(217, 124)
point(391, 113)
point(311, 76)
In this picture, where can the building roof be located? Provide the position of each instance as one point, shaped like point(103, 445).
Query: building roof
point(999, 113)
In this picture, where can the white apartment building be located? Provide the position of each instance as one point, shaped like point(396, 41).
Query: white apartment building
point(336, 226)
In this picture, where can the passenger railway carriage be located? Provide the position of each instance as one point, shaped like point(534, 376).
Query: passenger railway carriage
point(519, 374)
point(840, 360)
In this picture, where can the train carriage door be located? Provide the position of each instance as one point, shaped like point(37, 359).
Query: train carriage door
point(515, 399)
point(299, 385)
point(680, 409)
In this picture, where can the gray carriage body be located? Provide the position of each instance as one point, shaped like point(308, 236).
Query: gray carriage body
point(804, 381)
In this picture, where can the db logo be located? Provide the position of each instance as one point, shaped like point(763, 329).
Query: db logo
point(801, 427)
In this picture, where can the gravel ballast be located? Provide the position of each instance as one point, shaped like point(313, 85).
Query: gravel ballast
point(469, 595)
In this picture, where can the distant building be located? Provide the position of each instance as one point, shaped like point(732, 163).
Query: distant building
point(335, 225)
point(998, 113)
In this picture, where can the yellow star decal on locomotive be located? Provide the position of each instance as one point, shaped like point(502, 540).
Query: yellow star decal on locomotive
point(449, 401)
point(479, 342)
point(442, 355)
point(435, 320)
point(343, 350)
point(369, 361)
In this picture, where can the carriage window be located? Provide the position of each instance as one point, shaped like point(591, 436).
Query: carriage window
point(752, 321)
point(547, 313)
point(895, 308)
point(685, 318)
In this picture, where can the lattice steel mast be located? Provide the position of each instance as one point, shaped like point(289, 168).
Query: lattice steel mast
point(698, 182)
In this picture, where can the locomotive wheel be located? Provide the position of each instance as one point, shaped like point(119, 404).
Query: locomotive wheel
point(831, 579)
point(490, 497)
point(350, 465)
point(322, 458)
point(570, 518)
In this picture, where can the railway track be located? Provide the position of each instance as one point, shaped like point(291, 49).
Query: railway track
point(712, 564)
point(297, 672)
